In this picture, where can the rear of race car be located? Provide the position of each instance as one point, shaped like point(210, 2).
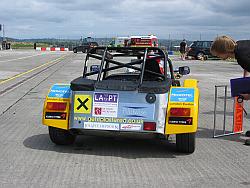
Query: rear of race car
point(69, 113)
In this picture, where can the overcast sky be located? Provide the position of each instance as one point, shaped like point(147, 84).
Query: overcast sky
point(71, 19)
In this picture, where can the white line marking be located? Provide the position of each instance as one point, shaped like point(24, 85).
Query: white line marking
point(21, 58)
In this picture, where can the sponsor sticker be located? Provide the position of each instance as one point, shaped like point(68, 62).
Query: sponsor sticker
point(108, 119)
point(238, 116)
point(105, 105)
point(131, 127)
point(82, 104)
point(180, 120)
point(55, 115)
point(101, 126)
point(60, 91)
point(182, 95)
point(136, 110)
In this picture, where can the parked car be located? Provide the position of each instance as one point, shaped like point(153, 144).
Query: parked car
point(200, 49)
point(85, 47)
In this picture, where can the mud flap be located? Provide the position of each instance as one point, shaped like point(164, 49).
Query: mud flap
point(183, 108)
point(57, 107)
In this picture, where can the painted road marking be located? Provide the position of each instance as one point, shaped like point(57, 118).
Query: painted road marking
point(20, 58)
point(31, 70)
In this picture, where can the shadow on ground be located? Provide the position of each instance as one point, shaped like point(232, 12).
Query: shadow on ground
point(208, 134)
point(218, 113)
point(108, 146)
point(122, 146)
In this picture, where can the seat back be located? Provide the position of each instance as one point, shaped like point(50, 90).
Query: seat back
point(152, 65)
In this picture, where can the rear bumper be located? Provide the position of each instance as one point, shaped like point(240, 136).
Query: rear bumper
point(132, 134)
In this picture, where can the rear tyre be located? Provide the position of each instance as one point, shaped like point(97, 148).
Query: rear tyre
point(60, 136)
point(185, 142)
point(75, 50)
point(200, 56)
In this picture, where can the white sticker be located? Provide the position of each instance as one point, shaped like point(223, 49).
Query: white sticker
point(131, 127)
point(105, 105)
point(101, 126)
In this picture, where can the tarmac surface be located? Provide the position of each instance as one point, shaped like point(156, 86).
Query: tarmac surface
point(29, 159)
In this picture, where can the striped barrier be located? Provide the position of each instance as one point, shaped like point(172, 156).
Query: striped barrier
point(52, 49)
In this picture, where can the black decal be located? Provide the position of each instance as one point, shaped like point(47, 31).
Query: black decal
point(55, 115)
point(180, 120)
point(82, 104)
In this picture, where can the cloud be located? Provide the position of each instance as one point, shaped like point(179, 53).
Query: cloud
point(107, 18)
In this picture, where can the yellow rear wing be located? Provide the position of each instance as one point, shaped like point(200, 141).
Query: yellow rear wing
point(183, 108)
point(57, 107)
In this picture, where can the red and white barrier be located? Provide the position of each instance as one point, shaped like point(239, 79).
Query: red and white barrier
point(52, 49)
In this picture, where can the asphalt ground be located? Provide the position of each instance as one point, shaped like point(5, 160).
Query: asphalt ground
point(29, 159)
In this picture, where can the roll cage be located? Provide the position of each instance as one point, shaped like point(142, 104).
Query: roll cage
point(103, 54)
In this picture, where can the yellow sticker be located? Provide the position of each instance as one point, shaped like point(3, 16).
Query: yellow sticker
point(82, 104)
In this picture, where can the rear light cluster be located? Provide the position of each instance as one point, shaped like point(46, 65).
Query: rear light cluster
point(176, 112)
point(149, 126)
point(56, 106)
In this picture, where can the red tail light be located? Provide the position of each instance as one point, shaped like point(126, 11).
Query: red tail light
point(180, 111)
point(57, 106)
point(149, 126)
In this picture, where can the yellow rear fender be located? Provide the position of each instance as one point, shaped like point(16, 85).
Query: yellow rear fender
point(183, 108)
point(57, 107)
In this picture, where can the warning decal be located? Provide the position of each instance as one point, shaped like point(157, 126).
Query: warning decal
point(82, 104)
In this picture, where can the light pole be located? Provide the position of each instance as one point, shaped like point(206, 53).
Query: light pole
point(3, 33)
point(2, 41)
point(0, 28)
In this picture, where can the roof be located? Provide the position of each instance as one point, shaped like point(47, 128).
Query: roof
point(144, 36)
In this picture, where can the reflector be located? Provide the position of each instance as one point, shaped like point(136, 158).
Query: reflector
point(149, 126)
point(180, 111)
point(57, 106)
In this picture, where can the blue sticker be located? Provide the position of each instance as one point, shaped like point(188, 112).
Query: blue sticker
point(136, 110)
point(106, 97)
point(60, 91)
point(182, 95)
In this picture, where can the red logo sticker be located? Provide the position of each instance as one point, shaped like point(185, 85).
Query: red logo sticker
point(98, 111)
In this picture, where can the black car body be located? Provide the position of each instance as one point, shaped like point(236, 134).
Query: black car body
point(85, 47)
point(200, 49)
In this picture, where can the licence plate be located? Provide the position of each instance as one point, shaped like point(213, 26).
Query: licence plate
point(101, 126)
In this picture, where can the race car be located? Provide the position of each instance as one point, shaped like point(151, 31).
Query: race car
point(107, 99)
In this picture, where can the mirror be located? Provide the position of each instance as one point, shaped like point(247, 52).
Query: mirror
point(94, 68)
point(184, 70)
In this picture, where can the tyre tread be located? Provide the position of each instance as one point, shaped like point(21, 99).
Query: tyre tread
point(185, 142)
point(60, 136)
